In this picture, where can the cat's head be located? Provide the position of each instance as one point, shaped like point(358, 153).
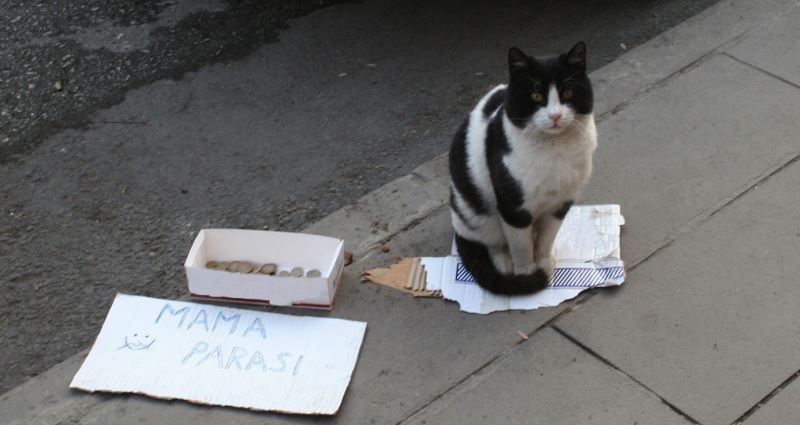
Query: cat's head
point(547, 94)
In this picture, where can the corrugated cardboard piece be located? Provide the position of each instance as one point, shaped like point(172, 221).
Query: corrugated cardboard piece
point(587, 251)
point(407, 275)
point(222, 356)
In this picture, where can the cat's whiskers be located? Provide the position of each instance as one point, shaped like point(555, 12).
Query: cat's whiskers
point(532, 131)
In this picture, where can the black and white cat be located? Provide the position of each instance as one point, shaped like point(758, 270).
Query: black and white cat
point(517, 164)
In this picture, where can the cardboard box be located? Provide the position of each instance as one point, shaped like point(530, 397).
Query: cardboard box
point(287, 250)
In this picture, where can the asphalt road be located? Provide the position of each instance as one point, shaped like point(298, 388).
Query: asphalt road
point(125, 127)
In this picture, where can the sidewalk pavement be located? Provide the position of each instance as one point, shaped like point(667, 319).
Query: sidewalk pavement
point(699, 141)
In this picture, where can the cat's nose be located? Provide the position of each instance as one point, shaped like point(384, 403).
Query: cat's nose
point(555, 116)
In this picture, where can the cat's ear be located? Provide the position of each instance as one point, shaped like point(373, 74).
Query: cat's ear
point(517, 59)
point(577, 55)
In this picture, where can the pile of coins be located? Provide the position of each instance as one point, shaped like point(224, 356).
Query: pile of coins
point(268, 269)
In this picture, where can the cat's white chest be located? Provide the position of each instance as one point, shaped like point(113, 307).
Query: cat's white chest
point(551, 172)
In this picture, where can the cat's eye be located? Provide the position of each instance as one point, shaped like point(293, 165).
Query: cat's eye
point(537, 97)
point(566, 94)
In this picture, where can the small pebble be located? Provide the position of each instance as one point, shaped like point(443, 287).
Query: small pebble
point(348, 257)
point(385, 248)
point(283, 273)
point(313, 273)
point(297, 272)
point(212, 264)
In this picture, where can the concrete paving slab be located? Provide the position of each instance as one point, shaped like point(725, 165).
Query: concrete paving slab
point(548, 380)
point(711, 322)
point(679, 47)
point(674, 157)
point(774, 48)
point(781, 409)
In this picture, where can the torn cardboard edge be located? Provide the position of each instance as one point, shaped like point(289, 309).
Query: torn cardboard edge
point(587, 251)
point(408, 275)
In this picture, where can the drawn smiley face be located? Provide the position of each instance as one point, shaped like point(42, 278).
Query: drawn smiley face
point(137, 342)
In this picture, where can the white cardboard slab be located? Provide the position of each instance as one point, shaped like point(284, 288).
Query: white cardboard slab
point(222, 356)
point(587, 251)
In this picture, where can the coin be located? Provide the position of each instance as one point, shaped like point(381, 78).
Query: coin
point(212, 265)
point(268, 269)
point(313, 273)
point(284, 273)
point(240, 267)
point(297, 272)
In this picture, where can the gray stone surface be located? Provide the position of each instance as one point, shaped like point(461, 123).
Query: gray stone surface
point(711, 322)
point(414, 349)
point(679, 47)
point(389, 210)
point(548, 380)
point(674, 157)
point(784, 408)
point(774, 48)
point(343, 101)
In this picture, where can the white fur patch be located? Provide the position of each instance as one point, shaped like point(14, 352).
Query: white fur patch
point(555, 116)
point(476, 145)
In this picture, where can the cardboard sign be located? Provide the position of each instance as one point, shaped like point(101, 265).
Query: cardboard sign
point(222, 356)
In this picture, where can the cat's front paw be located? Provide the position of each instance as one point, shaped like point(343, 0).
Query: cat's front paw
point(525, 269)
point(548, 265)
point(502, 262)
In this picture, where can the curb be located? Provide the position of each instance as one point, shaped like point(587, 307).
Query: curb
point(400, 204)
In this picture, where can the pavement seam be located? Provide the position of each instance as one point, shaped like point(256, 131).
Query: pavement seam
point(694, 223)
point(643, 93)
point(721, 49)
point(646, 91)
point(761, 403)
point(592, 353)
point(688, 228)
point(496, 358)
point(762, 70)
point(587, 295)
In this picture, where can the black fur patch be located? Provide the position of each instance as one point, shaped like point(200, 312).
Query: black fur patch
point(507, 189)
point(562, 212)
point(476, 259)
point(494, 102)
point(459, 173)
